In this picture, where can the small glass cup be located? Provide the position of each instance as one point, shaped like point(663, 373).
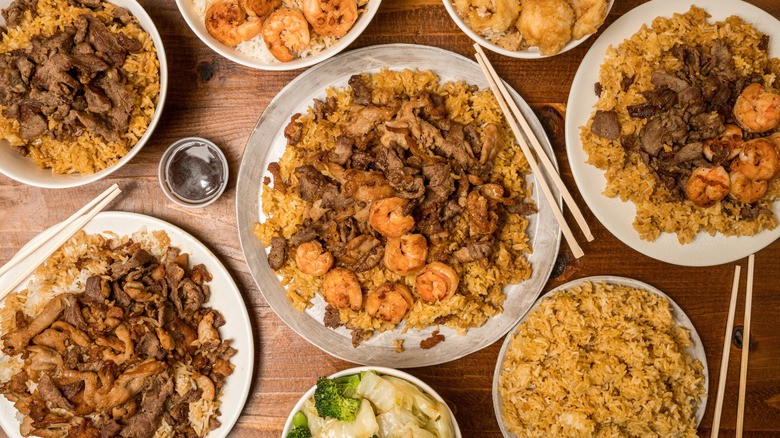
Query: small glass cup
point(193, 172)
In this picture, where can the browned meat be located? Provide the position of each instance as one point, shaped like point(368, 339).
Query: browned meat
point(360, 335)
point(90, 3)
point(310, 182)
point(72, 315)
point(97, 102)
point(93, 290)
point(605, 124)
point(293, 131)
point(14, 13)
point(626, 82)
point(597, 89)
point(651, 136)
point(278, 253)
point(361, 94)
point(121, 99)
point(689, 152)
point(149, 346)
point(724, 63)
point(432, 341)
point(32, 126)
point(331, 318)
point(660, 78)
point(342, 152)
point(707, 125)
point(121, 15)
point(440, 179)
point(145, 423)
point(99, 126)
point(51, 394)
point(324, 109)
point(104, 41)
point(132, 45)
point(187, 298)
point(25, 67)
point(455, 146)
point(139, 258)
point(473, 251)
point(303, 235)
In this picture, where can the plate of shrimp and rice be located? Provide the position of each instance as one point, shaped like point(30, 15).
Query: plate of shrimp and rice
point(392, 220)
point(188, 367)
point(529, 28)
point(682, 122)
point(278, 34)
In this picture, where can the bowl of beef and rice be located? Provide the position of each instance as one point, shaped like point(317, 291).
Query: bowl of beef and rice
point(83, 88)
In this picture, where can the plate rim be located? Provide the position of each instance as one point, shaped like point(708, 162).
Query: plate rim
point(245, 224)
point(697, 347)
point(65, 181)
point(666, 248)
point(187, 11)
point(142, 220)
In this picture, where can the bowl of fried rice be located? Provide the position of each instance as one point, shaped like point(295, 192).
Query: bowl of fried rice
point(528, 28)
point(601, 356)
point(254, 52)
point(100, 105)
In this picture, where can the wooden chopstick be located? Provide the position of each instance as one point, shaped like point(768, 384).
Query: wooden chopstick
point(54, 230)
point(72, 225)
point(743, 364)
point(724, 360)
point(575, 247)
point(546, 163)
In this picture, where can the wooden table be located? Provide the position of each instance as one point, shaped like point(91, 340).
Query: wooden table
point(212, 97)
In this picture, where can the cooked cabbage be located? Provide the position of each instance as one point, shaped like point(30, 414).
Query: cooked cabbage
point(364, 426)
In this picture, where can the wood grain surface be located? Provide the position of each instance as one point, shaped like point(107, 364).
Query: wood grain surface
point(212, 97)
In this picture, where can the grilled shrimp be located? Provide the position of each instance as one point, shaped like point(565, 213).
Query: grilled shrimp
point(387, 217)
point(285, 30)
point(260, 8)
point(390, 302)
point(707, 185)
point(756, 109)
point(341, 289)
point(758, 159)
point(406, 254)
point(746, 190)
point(330, 17)
point(730, 139)
point(436, 281)
point(227, 22)
point(312, 260)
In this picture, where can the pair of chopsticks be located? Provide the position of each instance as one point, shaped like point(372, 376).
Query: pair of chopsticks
point(515, 116)
point(724, 361)
point(57, 235)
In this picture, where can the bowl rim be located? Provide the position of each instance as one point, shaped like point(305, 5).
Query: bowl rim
point(186, 10)
point(380, 370)
point(522, 54)
point(63, 181)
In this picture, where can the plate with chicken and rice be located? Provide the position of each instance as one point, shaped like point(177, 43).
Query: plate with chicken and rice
point(383, 208)
point(685, 128)
point(125, 279)
point(83, 88)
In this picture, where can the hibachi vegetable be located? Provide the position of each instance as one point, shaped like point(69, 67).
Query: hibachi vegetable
point(333, 397)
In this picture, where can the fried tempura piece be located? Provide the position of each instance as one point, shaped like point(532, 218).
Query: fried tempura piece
point(546, 24)
point(589, 14)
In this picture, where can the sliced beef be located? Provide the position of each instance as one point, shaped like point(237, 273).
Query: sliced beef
point(278, 253)
point(661, 78)
point(303, 235)
point(139, 258)
point(149, 345)
point(94, 291)
point(130, 44)
point(104, 41)
point(342, 152)
point(651, 136)
point(25, 67)
point(724, 63)
point(689, 152)
point(145, 423)
point(707, 125)
point(440, 179)
point(120, 96)
point(310, 182)
point(99, 126)
point(605, 124)
point(331, 318)
point(97, 101)
point(294, 130)
point(361, 94)
point(72, 315)
point(51, 394)
point(14, 13)
point(32, 126)
point(473, 251)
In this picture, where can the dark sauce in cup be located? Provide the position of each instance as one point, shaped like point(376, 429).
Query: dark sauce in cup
point(195, 171)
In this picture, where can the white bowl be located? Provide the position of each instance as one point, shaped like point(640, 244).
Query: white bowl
point(528, 53)
point(196, 23)
point(24, 170)
point(380, 370)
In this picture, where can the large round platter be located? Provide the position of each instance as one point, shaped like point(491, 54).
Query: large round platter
point(24, 170)
point(225, 297)
point(527, 53)
point(197, 24)
point(267, 143)
point(617, 216)
point(696, 351)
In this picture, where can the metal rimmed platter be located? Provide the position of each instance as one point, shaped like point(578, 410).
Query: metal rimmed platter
point(267, 143)
point(617, 216)
point(696, 351)
point(225, 297)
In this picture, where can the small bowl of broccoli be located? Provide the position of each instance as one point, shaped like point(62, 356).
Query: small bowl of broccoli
point(371, 402)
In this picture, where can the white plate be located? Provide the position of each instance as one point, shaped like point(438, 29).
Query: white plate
point(24, 170)
point(225, 297)
point(196, 23)
point(528, 53)
point(267, 143)
point(617, 216)
point(380, 370)
point(696, 351)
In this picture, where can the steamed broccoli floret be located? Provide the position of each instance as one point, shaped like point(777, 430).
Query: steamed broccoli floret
point(299, 432)
point(333, 397)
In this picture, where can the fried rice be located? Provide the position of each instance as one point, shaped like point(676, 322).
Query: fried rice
point(479, 295)
point(89, 153)
point(601, 360)
point(626, 174)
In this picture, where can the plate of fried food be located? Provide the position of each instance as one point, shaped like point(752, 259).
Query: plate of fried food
point(601, 356)
point(131, 328)
point(278, 34)
point(672, 130)
point(83, 88)
point(529, 28)
point(386, 213)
